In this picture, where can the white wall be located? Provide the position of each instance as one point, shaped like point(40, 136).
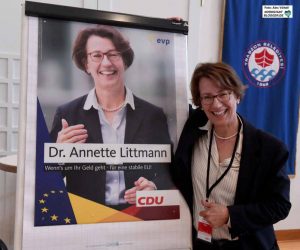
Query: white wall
point(10, 26)
point(73, 3)
point(153, 8)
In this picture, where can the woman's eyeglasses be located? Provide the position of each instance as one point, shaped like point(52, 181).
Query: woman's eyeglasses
point(209, 99)
point(98, 56)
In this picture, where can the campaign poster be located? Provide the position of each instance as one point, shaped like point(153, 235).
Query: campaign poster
point(104, 100)
point(106, 123)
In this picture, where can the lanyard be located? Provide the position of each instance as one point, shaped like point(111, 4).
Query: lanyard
point(209, 189)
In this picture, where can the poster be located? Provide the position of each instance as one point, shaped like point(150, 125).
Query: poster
point(74, 176)
point(50, 215)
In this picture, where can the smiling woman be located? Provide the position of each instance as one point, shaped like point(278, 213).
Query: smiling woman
point(110, 113)
point(230, 173)
point(105, 54)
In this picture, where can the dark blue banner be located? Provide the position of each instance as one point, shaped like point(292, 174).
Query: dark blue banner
point(262, 43)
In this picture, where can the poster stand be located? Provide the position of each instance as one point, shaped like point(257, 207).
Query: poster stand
point(158, 232)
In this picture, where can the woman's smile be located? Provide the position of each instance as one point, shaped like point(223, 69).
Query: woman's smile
point(109, 71)
point(219, 113)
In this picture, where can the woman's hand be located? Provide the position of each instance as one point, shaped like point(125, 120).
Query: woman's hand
point(215, 214)
point(175, 19)
point(71, 134)
point(142, 184)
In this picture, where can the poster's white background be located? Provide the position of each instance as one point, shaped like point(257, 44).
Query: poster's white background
point(203, 45)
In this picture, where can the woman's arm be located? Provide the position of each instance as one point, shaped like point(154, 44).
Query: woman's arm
point(271, 203)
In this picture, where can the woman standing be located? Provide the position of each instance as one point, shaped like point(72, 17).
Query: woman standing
point(230, 173)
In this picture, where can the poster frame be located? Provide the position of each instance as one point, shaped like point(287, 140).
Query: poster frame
point(104, 17)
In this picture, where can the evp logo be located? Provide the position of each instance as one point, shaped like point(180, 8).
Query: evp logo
point(163, 41)
point(157, 198)
point(159, 40)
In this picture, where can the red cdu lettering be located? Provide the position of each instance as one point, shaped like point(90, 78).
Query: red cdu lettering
point(150, 200)
point(158, 202)
point(141, 201)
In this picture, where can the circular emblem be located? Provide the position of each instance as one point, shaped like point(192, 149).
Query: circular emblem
point(264, 64)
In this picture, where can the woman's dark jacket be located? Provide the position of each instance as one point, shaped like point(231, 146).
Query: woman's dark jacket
point(262, 193)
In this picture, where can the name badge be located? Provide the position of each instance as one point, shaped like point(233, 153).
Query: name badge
point(204, 230)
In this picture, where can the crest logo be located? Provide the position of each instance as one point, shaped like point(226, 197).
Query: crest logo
point(264, 64)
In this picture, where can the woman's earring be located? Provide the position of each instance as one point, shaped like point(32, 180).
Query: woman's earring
point(238, 101)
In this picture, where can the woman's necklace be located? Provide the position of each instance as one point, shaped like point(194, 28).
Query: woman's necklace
point(113, 109)
point(225, 138)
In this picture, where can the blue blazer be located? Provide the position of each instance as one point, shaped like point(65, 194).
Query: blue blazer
point(262, 193)
point(147, 124)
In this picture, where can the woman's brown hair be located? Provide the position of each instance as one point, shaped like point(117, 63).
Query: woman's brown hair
point(121, 44)
point(222, 74)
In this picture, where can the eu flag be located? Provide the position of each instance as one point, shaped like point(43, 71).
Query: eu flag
point(262, 43)
point(52, 203)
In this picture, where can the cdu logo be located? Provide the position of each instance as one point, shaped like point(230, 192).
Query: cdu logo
point(150, 200)
point(264, 64)
point(157, 198)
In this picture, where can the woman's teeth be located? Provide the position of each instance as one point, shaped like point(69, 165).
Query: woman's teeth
point(218, 113)
point(110, 72)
